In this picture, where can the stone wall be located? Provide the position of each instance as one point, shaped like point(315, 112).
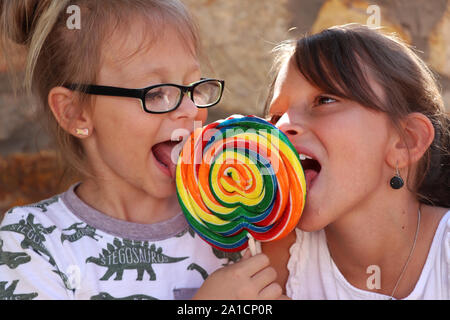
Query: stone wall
point(238, 36)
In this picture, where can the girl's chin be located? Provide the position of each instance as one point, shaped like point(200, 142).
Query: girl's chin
point(309, 225)
point(313, 216)
point(162, 191)
point(159, 182)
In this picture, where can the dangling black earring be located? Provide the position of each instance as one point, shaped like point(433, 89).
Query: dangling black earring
point(396, 181)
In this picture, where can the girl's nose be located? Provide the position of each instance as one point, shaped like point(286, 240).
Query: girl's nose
point(187, 109)
point(289, 128)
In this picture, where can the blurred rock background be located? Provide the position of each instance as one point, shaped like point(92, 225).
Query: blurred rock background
point(238, 36)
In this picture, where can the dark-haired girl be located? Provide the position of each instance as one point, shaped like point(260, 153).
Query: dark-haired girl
point(366, 116)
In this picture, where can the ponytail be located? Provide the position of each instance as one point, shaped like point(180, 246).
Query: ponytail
point(43, 28)
point(28, 23)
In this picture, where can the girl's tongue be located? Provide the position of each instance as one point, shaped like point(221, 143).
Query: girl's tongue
point(311, 169)
point(163, 154)
point(310, 175)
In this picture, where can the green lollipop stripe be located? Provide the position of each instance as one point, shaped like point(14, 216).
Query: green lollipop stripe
point(203, 229)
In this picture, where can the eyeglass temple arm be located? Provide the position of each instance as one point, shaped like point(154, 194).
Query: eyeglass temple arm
point(108, 91)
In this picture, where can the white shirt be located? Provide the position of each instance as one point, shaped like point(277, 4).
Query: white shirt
point(61, 248)
point(314, 275)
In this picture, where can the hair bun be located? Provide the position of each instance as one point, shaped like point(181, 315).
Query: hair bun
point(19, 18)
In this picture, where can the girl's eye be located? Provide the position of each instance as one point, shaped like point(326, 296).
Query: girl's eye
point(155, 95)
point(324, 100)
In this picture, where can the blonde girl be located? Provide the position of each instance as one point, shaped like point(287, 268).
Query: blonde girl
point(119, 93)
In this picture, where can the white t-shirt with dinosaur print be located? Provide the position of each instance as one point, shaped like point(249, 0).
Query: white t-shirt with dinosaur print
point(61, 248)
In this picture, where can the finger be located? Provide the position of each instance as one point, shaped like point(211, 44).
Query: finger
point(271, 292)
point(252, 265)
point(264, 277)
point(284, 297)
point(246, 254)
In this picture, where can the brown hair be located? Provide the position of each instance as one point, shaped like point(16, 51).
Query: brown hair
point(58, 55)
point(335, 60)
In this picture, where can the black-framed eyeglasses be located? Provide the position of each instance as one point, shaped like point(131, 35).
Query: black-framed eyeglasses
point(164, 97)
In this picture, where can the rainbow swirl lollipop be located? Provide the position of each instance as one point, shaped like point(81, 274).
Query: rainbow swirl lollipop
point(237, 177)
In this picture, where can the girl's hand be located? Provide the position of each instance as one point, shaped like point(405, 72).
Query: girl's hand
point(252, 278)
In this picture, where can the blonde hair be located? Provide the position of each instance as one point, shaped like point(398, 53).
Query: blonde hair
point(58, 55)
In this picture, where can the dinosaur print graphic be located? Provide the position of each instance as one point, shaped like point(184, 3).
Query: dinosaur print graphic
point(231, 256)
point(43, 205)
point(34, 238)
point(12, 259)
point(8, 293)
point(107, 296)
point(34, 235)
point(203, 272)
point(80, 232)
point(129, 255)
point(182, 233)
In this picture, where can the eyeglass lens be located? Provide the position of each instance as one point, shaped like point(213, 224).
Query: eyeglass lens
point(162, 98)
point(206, 93)
point(165, 98)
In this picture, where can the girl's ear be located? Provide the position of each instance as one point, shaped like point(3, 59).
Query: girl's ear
point(418, 134)
point(71, 116)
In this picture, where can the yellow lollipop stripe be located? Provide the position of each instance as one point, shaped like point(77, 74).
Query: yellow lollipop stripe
point(248, 198)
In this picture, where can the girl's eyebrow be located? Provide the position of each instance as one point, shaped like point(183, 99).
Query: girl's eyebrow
point(158, 74)
point(163, 71)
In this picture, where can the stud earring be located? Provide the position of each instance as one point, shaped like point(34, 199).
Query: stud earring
point(396, 181)
point(82, 132)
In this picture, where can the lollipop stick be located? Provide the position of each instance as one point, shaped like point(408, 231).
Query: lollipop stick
point(253, 245)
point(258, 247)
